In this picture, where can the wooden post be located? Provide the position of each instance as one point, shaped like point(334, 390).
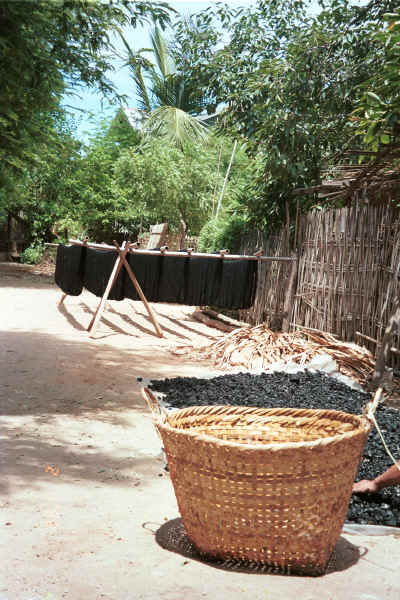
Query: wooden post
point(382, 376)
point(291, 289)
point(113, 277)
point(296, 228)
point(139, 291)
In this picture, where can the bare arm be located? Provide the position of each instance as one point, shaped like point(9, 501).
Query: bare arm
point(386, 479)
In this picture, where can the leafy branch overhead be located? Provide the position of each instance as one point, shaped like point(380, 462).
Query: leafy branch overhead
point(377, 115)
point(48, 47)
point(290, 80)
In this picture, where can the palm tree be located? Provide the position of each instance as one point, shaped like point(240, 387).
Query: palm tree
point(167, 98)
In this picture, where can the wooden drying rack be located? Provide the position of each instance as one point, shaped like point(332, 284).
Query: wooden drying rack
point(128, 247)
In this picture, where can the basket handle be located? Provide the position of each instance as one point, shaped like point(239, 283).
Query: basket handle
point(158, 412)
point(370, 407)
point(369, 412)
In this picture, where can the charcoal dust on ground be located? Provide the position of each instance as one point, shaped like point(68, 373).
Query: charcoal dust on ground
point(304, 390)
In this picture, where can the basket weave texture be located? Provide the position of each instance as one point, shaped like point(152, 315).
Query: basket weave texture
point(265, 485)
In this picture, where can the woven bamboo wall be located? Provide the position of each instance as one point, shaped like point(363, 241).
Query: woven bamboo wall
point(348, 273)
point(272, 277)
point(349, 269)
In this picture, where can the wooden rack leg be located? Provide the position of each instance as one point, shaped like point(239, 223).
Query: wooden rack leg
point(62, 299)
point(142, 296)
point(113, 277)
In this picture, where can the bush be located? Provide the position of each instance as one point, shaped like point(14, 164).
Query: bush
point(33, 254)
point(226, 231)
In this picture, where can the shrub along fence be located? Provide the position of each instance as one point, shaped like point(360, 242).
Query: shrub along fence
point(348, 273)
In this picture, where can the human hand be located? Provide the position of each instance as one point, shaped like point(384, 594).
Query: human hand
point(365, 486)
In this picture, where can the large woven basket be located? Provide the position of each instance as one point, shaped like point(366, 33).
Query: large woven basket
point(265, 485)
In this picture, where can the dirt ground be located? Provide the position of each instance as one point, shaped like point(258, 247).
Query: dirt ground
point(87, 511)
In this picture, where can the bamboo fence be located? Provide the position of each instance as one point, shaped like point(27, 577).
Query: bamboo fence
point(272, 279)
point(348, 274)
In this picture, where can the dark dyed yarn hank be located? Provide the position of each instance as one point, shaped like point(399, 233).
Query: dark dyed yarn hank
point(146, 269)
point(69, 270)
point(98, 267)
point(173, 274)
point(221, 282)
point(162, 278)
point(202, 281)
point(194, 281)
point(238, 284)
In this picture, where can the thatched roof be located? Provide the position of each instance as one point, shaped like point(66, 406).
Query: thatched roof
point(344, 180)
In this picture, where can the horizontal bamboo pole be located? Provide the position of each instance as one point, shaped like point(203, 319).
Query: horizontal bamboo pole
point(91, 245)
point(185, 254)
point(370, 339)
point(367, 337)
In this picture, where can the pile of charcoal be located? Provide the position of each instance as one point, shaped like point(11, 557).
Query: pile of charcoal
point(304, 390)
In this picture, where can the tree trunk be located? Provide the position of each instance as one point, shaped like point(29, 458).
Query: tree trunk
point(183, 233)
point(11, 241)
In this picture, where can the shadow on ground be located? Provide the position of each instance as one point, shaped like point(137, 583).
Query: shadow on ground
point(29, 460)
point(10, 276)
point(45, 375)
point(173, 537)
point(75, 405)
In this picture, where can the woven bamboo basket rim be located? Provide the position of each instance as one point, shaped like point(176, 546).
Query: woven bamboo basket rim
point(361, 425)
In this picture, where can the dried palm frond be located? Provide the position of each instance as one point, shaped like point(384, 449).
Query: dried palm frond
point(258, 347)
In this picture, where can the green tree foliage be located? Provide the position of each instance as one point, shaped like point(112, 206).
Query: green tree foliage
point(46, 46)
point(164, 184)
point(92, 200)
point(226, 229)
point(121, 132)
point(114, 190)
point(37, 197)
point(160, 83)
point(289, 82)
point(378, 114)
point(248, 35)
